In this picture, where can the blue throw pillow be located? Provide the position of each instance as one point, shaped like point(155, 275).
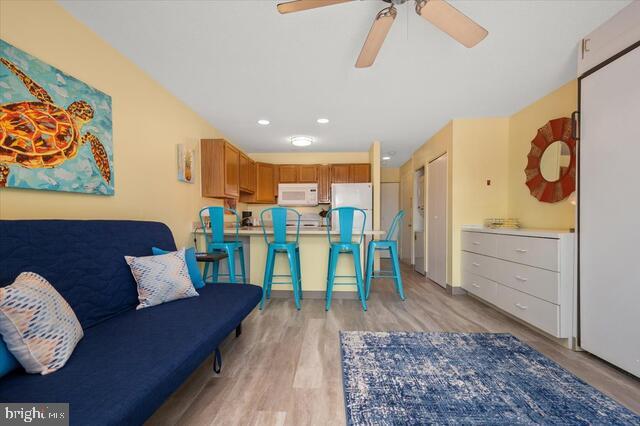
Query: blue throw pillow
point(7, 361)
point(192, 265)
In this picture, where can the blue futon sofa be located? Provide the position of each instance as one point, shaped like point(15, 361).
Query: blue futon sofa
point(129, 361)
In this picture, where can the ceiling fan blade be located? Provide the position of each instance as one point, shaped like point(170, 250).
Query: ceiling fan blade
point(300, 5)
point(375, 38)
point(451, 21)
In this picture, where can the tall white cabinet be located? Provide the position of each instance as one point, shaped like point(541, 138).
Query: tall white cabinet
point(609, 200)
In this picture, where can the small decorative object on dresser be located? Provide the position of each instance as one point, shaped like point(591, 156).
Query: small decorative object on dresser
point(526, 273)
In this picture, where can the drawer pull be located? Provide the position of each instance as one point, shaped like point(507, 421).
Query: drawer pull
point(475, 264)
point(519, 278)
point(475, 285)
point(476, 243)
point(521, 250)
point(523, 307)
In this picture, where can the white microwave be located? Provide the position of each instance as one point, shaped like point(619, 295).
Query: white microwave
point(298, 194)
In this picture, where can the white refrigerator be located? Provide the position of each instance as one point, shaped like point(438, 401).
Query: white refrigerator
point(358, 195)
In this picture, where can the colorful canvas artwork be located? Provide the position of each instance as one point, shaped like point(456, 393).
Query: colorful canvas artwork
point(55, 130)
point(185, 163)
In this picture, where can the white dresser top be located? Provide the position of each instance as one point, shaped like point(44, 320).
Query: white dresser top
point(523, 232)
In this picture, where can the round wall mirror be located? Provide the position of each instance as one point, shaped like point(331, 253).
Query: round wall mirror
point(551, 163)
point(555, 161)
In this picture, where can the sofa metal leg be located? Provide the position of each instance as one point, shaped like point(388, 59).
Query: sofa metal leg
point(239, 330)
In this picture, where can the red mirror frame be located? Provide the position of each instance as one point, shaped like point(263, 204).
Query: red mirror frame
point(560, 129)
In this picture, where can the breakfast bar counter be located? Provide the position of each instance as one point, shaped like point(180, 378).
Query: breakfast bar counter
point(314, 258)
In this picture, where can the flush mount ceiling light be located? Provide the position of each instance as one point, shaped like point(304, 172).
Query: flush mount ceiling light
point(264, 122)
point(385, 158)
point(323, 120)
point(301, 140)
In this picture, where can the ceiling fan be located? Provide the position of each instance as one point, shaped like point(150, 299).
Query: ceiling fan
point(438, 12)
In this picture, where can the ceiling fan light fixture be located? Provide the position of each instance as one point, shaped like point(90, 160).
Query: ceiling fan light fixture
point(450, 20)
point(386, 158)
point(264, 122)
point(322, 120)
point(301, 141)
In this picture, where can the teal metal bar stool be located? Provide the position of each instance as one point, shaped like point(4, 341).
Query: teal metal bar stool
point(345, 245)
point(390, 242)
point(216, 243)
point(281, 245)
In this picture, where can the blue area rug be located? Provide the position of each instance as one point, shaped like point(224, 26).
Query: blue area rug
point(459, 378)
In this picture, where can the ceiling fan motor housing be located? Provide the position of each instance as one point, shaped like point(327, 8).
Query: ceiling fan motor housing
point(396, 2)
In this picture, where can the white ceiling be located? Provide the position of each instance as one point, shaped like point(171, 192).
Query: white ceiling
point(235, 62)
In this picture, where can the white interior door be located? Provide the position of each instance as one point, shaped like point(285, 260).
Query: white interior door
point(419, 260)
point(437, 220)
point(406, 237)
point(389, 207)
point(608, 211)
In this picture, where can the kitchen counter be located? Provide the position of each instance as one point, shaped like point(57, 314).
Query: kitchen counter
point(314, 257)
point(304, 230)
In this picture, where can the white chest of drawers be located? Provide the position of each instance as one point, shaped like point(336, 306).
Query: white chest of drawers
point(527, 273)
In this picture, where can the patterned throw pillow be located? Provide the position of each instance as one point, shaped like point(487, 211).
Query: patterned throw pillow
point(161, 278)
point(37, 324)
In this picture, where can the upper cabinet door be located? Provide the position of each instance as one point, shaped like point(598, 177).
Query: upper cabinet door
point(288, 173)
point(324, 184)
point(340, 173)
point(231, 171)
point(615, 35)
point(246, 184)
point(360, 173)
point(308, 173)
point(265, 183)
point(276, 179)
point(252, 176)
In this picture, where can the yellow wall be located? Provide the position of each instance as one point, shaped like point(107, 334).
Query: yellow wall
point(390, 174)
point(495, 149)
point(480, 153)
point(523, 127)
point(148, 123)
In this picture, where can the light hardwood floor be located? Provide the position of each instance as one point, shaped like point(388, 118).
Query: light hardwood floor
point(285, 367)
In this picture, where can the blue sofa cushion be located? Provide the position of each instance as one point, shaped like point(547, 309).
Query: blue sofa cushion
point(125, 367)
point(82, 259)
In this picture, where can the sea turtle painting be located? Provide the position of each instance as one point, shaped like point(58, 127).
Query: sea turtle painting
point(41, 134)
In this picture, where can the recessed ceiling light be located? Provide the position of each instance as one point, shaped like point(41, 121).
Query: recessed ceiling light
point(301, 140)
point(386, 157)
point(323, 120)
point(263, 122)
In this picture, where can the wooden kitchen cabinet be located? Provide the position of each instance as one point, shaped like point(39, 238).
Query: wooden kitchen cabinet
point(360, 173)
point(247, 174)
point(288, 173)
point(340, 173)
point(308, 173)
point(324, 184)
point(276, 179)
point(265, 178)
point(220, 169)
